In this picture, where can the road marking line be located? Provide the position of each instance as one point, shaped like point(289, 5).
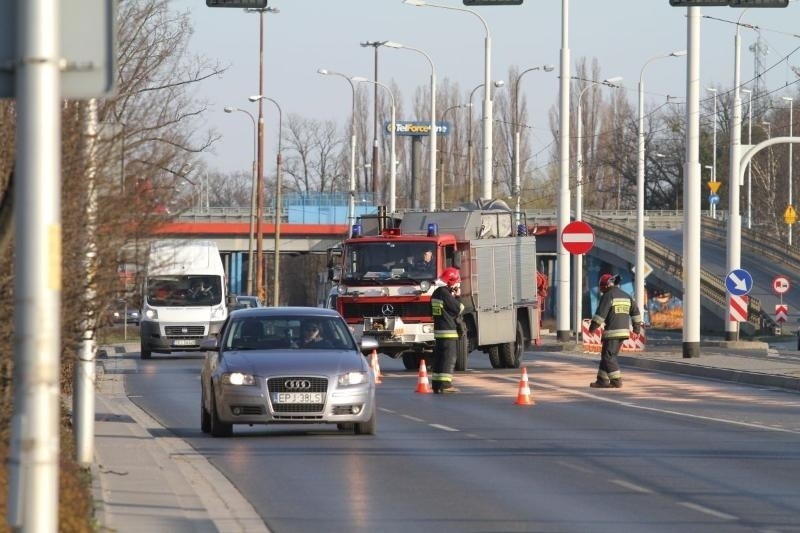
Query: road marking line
point(413, 418)
point(706, 510)
point(573, 466)
point(385, 410)
point(443, 428)
point(631, 486)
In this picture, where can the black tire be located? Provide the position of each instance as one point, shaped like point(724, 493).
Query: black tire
point(205, 416)
point(368, 427)
point(511, 352)
point(494, 356)
point(144, 353)
point(218, 427)
point(463, 354)
point(411, 360)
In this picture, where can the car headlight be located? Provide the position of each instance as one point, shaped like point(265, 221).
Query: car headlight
point(352, 378)
point(238, 378)
point(152, 314)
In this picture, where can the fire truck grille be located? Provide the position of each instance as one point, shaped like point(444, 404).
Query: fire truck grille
point(405, 309)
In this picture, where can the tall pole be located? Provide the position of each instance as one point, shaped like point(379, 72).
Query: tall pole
point(691, 191)
point(393, 154)
point(33, 462)
point(470, 177)
point(276, 280)
point(734, 254)
point(251, 234)
point(562, 211)
point(713, 207)
point(377, 181)
point(432, 157)
point(639, 275)
point(749, 167)
point(791, 103)
point(260, 289)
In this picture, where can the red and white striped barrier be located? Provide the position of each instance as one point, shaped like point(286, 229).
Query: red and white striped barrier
point(592, 342)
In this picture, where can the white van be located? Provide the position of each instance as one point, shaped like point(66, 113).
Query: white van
point(183, 300)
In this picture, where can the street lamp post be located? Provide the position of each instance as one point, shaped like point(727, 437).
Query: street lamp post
point(393, 155)
point(351, 212)
point(487, 95)
point(610, 82)
point(260, 290)
point(432, 176)
point(377, 183)
point(517, 187)
point(749, 167)
point(713, 207)
point(640, 268)
point(442, 166)
point(497, 84)
point(252, 198)
point(276, 287)
point(791, 103)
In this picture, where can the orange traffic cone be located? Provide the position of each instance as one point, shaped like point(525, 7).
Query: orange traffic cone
point(423, 385)
point(524, 394)
point(376, 368)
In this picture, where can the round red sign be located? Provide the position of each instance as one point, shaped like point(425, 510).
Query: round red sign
point(577, 237)
point(780, 285)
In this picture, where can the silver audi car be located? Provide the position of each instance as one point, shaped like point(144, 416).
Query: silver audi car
point(287, 365)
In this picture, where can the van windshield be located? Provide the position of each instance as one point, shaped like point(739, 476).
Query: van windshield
point(184, 291)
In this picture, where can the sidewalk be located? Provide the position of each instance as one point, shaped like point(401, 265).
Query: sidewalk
point(146, 480)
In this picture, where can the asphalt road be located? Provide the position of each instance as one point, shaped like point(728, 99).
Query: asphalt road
point(665, 453)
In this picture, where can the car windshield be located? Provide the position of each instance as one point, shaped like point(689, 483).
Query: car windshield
point(184, 291)
point(288, 332)
point(390, 260)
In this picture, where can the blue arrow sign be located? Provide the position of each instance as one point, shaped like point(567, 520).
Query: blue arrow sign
point(713, 199)
point(739, 282)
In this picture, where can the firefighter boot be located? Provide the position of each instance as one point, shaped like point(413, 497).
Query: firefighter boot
point(601, 384)
point(616, 383)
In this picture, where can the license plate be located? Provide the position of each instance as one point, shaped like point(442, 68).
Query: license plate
point(184, 342)
point(298, 397)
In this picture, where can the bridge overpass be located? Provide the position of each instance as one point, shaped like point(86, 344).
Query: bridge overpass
point(763, 256)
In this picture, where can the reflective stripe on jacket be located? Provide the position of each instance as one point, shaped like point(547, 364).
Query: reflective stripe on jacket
point(616, 311)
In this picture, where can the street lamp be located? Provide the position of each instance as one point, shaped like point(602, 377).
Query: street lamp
point(393, 156)
point(487, 100)
point(640, 273)
point(432, 177)
point(517, 188)
point(441, 158)
point(276, 292)
point(260, 290)
point(377, 185)
point(749, 167)
point(791, 104)
point(713, 207)
point(609, 82)
point(351, 211)
point(251, 238)
point(497, 84)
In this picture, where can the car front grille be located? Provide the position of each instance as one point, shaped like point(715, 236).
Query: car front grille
point(279, 385)
point(184, 331)
point(404, 309)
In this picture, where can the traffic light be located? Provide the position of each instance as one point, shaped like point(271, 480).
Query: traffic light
point(253, 4)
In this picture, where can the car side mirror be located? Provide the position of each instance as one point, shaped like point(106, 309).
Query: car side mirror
point(209, 345)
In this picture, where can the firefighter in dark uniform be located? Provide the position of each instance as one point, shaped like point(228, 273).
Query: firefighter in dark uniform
point(615, 312)
point(446, 310)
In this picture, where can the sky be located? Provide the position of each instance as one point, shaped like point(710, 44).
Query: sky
point(622, 35)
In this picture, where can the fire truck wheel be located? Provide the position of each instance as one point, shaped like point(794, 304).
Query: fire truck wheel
point(411, 360)
point(511, 352)
point(463, 353)
point(494, 356)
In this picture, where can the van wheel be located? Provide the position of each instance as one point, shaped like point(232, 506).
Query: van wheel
point(144, 353)
point(411, 360)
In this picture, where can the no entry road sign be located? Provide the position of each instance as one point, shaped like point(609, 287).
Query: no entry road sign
point(577, 237)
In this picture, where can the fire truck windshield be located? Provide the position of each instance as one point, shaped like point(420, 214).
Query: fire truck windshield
point(390, 260)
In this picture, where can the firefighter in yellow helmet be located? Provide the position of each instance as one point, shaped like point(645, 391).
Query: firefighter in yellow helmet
point(616, 310)
point(446, 310)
